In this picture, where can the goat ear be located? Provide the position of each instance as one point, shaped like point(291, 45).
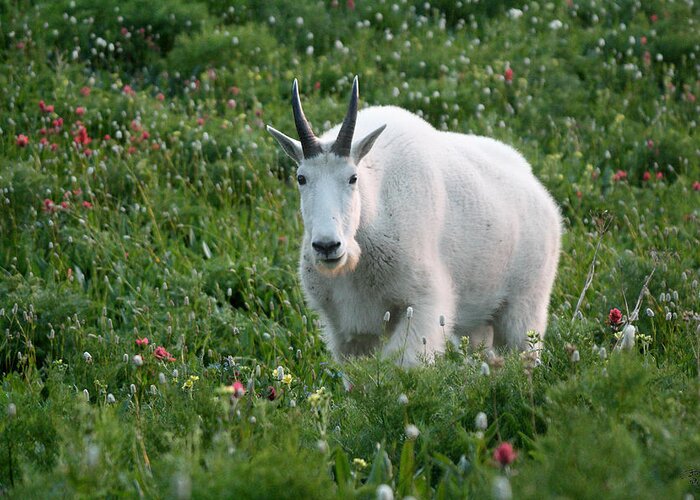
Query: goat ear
point(362, 147)
point(290, 146)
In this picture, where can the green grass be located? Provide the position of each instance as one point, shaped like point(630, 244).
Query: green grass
point(181, 225)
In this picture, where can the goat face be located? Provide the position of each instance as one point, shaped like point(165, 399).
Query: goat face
point(329, 182)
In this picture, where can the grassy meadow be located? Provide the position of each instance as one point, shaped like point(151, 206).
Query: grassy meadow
point(154, 340)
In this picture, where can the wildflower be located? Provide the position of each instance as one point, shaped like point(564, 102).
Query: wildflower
point(603, 353)
point(409, 312)
point(142, 342)
point(87, 204)
point(189, 383)
point(85, 91)
point(80, 111)
point(86, 394)
point(271, 393)
point(575, 356)
point(231, 103)
point(384, 492)
point(646, 176)
point(485, 370)
point(160, 96)
point(162, 354)
point(649, 312)
point(46, 108)
point(161, 378)
point(287, 379)
point(87, 357)
point(501, 488)
point(659, 176)
point(127, 90)
point(614, 317)
point(412, 431)
point(696, 186)
point(387, 317)
point(508, 75)
point(22, 140)
point(81, 136)
point(278, 373)
point(481, 421)
point(238, 390)
point(111, 399)
point(359, 463)
point(620, 175)
point(504, 454)
point(49, 206)
point(403, 399)
point(11, 410)
point(137, 360)
point(628, 335)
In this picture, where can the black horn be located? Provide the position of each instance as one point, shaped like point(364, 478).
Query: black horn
point(343, 143)
point(309, 142)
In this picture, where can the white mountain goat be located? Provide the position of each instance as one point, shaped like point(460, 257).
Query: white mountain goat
point(447, 224)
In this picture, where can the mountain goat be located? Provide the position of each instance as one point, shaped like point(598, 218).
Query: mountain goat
point(452, 234)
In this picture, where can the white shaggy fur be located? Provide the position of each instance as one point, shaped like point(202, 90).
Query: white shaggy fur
point(449, 224)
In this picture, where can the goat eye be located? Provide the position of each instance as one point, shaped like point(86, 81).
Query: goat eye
point(301, 180)
point(353, 179)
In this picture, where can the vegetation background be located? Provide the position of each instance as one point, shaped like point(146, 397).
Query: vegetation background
point(153, 337)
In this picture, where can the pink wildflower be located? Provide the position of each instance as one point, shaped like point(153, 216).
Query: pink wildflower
point(22, 140)
point(162, 354)
point(504, 454)
point(614, 317)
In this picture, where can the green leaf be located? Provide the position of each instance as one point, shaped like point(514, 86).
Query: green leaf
point(343, 475)
point(406, 468)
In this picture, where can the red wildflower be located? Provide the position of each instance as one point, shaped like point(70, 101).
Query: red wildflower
point(351, 4)
point(647, 58)
point(654, 18)
point(22, 140)
point(200, 121)
point(646, 176)
point(54, 146)
point(238, 389)
point(504, 454)
point(317, 85)
point(49, 206)
point(508, 75)
point(108, 137)
point(128, 90)
point(57, 123)
point(659, 176)
point(620, 175)
point(143, 342)
point(85, 91)
point(614, 317)
point(80, 111)
point(235, 90)
point(160, 96)
point(231, 103)
point(46, 108)
point(643, 40)
point(81, 137)
point(162, 354)
point(88, 205)
point(271, 393)
point(696, 186)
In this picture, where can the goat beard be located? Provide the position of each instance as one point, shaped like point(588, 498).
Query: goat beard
point(351, 259)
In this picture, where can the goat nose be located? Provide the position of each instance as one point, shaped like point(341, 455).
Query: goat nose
point(325, 247)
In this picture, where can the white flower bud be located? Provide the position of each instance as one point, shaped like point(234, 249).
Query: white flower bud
point(485, 370)
point(575, 356)
point(481, 421)
point(137, 360)
point(409, 312)
point(628, 334)
point(649, 312)
point(384, 492)
point(11, 411)
point(412, 431)
point(87, 357)
point(161, 378)
point(111, 399)
point(403, 399)
point(387, 317)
